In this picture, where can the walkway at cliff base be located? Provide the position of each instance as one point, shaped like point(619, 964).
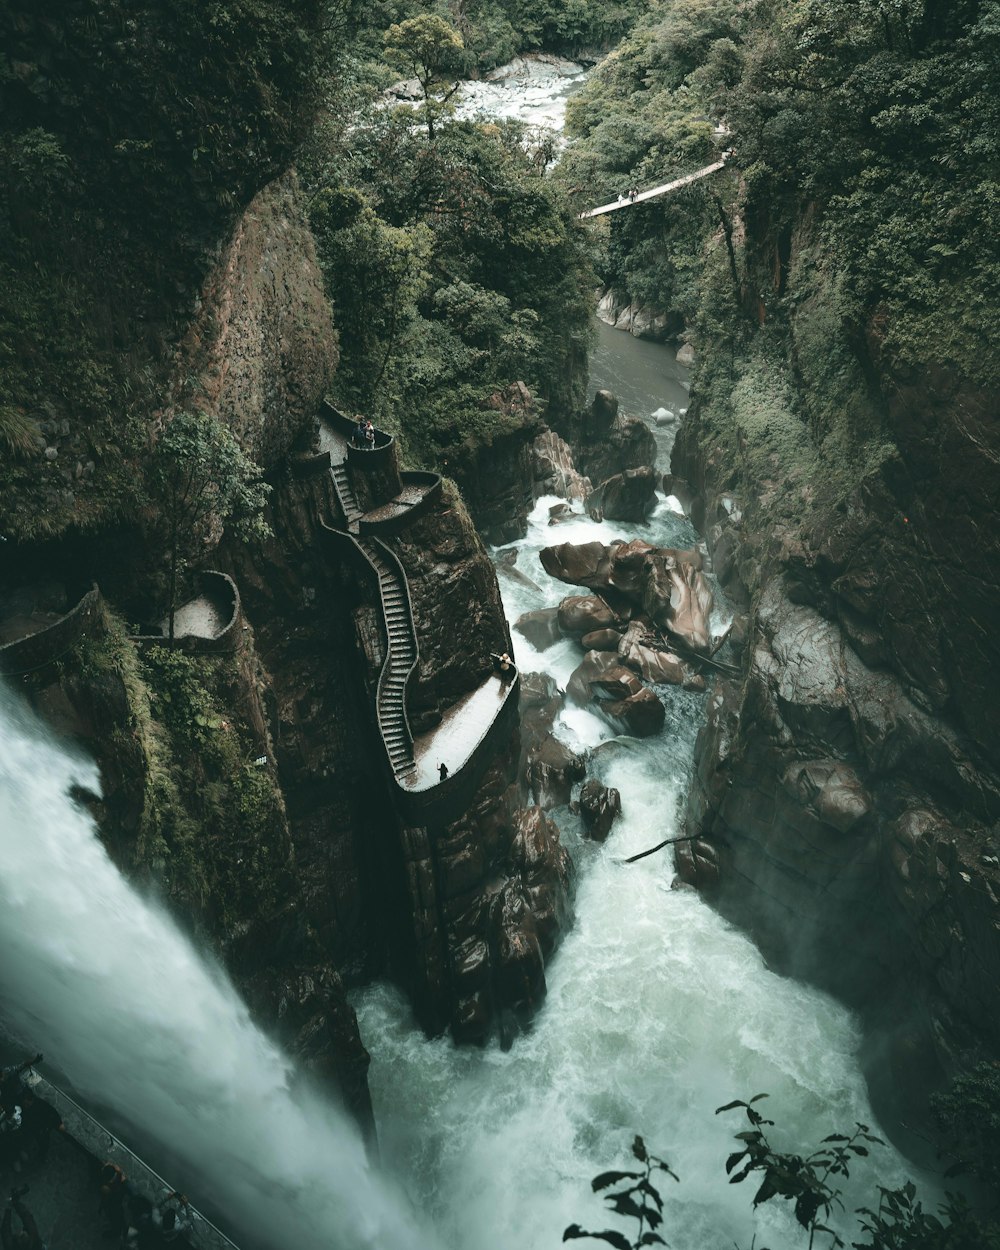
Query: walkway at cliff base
point(653, 193)
point(461, 740)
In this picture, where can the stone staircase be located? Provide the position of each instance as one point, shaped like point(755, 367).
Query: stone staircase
point(401, 659)
point(345, 494)
point(400, 634)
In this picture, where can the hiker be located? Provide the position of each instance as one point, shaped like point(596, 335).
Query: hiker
point(359, 433)
point(10, 1137)
point(111, 1200)
point(632, 194)
point(27, 1236)
point(38, 1119)
point(369, 435)
point(170, 1216)
point(442, 771)
point(11, 1085)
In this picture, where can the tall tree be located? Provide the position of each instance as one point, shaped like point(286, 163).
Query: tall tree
point(433, 50)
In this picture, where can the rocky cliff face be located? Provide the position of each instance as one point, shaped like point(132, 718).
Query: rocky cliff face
point(847, 791)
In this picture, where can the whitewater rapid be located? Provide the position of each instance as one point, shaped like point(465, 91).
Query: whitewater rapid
point(658, 1012)
point(105, 983)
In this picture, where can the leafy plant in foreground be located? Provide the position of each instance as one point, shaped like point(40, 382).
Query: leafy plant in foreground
point(803, 1180)
point(636, 1198)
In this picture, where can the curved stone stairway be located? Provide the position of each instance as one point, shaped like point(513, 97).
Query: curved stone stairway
point(402, 657)
point(401, 638)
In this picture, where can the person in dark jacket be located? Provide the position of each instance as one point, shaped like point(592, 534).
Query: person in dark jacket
point(27, 1236)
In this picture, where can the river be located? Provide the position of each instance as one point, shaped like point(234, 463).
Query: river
point(657, 1012)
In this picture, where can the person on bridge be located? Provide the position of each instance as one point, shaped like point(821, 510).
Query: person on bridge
point(111, 1201)
point(27, 1237)
point(38, 1120)
point(359, 433)
point(11, 1085)
point(170, 1216)
point(369, 435)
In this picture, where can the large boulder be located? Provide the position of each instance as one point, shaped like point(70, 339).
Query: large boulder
point(660, 667)
point(579, 564)
point(552, 771)
point(640, 714)
point(628, 496)
point(540, 627)
point(679, 599)
point(581, 614)
point(601, 640)
point(540, 703)
point(553, 470)
point(546, 873)
point(599, 806)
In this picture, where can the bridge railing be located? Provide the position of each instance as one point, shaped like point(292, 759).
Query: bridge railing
point(102, 1144)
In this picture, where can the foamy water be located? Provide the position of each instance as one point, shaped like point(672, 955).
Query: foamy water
point(657, 1013)
point(105, 984)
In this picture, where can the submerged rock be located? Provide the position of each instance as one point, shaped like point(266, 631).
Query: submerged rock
point(641, 714)
point(599, 806)
point(540, 627)
point(552, 771)
point(628, 496)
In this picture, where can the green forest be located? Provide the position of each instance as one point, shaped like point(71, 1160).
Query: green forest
point(848, 250)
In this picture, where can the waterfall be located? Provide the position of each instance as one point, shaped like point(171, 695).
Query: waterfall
point(103, 981)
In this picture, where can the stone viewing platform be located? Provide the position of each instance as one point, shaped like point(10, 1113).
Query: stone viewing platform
point(41, 622)
point(207, 624)
point(385, 499)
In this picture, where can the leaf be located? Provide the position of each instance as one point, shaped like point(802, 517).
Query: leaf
point(836, 1137)
point(860, 1150)
point(646, 1188)
point(741, 1176)
point(651, 1239)
point(613, 1238)
point(730, 1106)
point(623, 1204)
point(758, 1097)
point(639, 1149)
point(612, 1178)
point(733, 1159)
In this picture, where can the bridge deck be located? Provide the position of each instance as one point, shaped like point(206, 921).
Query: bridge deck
point(654, 192)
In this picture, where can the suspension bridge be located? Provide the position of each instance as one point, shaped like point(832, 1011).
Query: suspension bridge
point(628, 200)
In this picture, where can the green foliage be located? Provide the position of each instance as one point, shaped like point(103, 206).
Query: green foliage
point(636, 1198)
point(131, 136)
point(213, 824)
point(432, 50)
point(201, 478)
point(454, 273)
point(643, 118)
point(803, 1180)
point(808, 1182)
point(968, 1118)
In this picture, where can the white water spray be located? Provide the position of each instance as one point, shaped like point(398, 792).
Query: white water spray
point(106, 984)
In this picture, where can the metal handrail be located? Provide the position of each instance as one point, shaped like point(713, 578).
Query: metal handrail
point(102, 1144)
